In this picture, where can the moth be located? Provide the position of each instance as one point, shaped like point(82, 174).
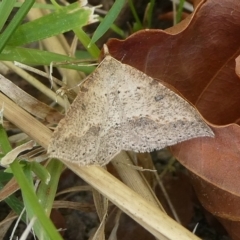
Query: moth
point(121, 108)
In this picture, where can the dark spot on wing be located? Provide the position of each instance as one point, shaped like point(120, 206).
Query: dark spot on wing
point(158, 98)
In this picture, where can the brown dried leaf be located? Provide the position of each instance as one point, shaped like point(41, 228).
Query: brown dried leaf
point(10, 188)
point(6, 223)
point(74, 205)
point(199, 62)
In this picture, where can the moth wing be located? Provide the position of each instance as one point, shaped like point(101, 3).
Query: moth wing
point(155, 116)
point(78, 136)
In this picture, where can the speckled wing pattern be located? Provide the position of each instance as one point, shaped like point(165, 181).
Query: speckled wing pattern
point(121, 108)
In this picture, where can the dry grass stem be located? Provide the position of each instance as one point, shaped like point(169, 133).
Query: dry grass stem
point(141, 210)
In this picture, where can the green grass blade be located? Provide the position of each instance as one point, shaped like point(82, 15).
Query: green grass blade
point(180, 10)
point(55, 4)
point(6, 7)
point(38, 57)
point(40, 171)
point(38, 5)
point(5, 176)
point(5, 145)
point(116, 29)
point(108, 20)
point(39, 231)
point(138, 24)
point(47, 192)
point(85, 40)
point(60, 21)
point(82, 36)
point(150, 13)
point(32, 204)
point(14, 203)
point(5, 36)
